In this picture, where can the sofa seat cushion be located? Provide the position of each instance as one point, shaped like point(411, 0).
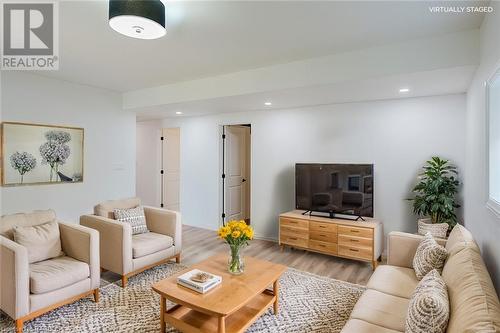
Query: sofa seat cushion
point(394, 280)
point(381, 309)
point(361, 326)
point(148, 243)
point(56, 273)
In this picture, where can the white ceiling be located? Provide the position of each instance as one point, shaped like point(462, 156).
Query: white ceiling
point(437, 82)
point(209, 38)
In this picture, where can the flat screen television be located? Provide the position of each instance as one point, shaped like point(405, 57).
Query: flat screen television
point(345, 189)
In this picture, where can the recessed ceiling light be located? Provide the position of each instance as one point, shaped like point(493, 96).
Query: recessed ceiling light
point(404, 90)
point(178, 112)
point(268, 103)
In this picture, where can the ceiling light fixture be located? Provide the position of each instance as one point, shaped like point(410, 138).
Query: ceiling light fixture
point(178, 112)
point(404, 90)
point(143, 19)
point(268, 103)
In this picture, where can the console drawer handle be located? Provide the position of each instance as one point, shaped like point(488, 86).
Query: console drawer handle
point(353, 250)
point(354, 240)
point(322, 226)
point(354, 230)
point(321, 235)
point(293, 238)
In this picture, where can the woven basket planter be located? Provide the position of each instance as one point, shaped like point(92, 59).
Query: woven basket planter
point(438, 230)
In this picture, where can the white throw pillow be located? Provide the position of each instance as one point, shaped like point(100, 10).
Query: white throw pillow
point(429, 307)
point(43, 241)
point(429, 255)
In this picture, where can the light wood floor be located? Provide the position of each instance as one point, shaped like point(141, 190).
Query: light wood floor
point(199, 244)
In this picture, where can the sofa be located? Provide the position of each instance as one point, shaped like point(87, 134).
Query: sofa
point(29, 290)
point(474, 305)
point(126, 254)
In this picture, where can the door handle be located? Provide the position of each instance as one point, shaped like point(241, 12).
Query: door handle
point(243, 180)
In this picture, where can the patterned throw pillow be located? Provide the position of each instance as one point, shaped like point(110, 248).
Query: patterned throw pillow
point(429, 307)
point(429, 255)
point(133, 216)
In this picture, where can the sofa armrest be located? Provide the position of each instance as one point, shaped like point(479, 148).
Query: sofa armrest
point(166, 222)
point(115, 242)
point(401, 248)
point(14, 279)
point(82, 243)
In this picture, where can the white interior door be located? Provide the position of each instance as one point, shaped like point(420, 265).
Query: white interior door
point(171, 168)
point(236, 165)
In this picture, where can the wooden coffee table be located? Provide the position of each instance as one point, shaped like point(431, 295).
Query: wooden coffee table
point(231, 307)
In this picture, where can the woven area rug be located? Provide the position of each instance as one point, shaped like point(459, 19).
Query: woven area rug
point(308, 303)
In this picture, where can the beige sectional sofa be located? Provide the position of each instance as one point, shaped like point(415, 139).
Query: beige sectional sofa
point(30, 290)
point(474, 305)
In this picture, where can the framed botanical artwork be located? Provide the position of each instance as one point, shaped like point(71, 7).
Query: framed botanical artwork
point(41, 154)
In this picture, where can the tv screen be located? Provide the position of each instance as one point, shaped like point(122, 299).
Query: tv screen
point(335, 188)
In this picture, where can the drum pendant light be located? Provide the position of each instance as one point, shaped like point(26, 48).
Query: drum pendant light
point(144, 19)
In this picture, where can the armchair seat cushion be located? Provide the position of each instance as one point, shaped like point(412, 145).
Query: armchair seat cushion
point(57, 273)
point(148, 243)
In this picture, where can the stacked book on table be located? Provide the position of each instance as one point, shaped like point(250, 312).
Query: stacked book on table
point(199, 281)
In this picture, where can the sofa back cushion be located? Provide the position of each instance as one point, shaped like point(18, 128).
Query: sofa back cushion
point(42, 241)
point(106, 208)
point(459, 239)
point(474, 305)
point(7, 222)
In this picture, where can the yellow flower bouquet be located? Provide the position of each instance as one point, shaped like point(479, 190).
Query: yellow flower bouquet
point(236, 234)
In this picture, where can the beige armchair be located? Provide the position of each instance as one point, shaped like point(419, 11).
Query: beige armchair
point(127, 254)
point(30, 290)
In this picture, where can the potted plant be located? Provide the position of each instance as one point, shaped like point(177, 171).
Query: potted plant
point(434, 199)
point(236, 234)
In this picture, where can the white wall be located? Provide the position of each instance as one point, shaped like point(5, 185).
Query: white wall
point(109, 161)
point(397, 136)
point(480, 220)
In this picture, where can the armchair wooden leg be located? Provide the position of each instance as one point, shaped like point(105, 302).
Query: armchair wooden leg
point(124, 281)
point(178, 258)
point(96, 295)
point(19, 326)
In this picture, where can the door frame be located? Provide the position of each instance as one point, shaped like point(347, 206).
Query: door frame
point(221, 182)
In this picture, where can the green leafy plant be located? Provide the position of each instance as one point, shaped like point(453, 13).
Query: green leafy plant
point(436, 191)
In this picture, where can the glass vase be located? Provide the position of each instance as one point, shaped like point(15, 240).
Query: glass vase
point(236, 265)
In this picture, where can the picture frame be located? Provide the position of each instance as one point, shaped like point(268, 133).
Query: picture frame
point(40, 154)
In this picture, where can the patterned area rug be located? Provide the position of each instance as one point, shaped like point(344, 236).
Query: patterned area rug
point(308, 303)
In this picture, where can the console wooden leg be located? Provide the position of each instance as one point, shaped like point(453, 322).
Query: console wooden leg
point(178, 258)
point(19, 326)
point(374, 264)
point(222, 325)
point(276, 290)
point(124, 281)
point(96, 295)
point(163, 309)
